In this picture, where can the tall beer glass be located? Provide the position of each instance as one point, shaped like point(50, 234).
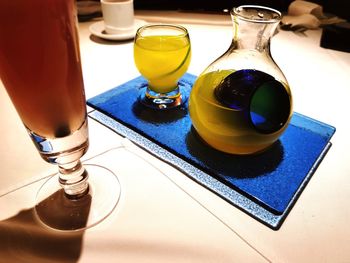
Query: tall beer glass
point(40, 68)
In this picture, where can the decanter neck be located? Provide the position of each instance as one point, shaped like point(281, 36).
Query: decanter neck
point(253, 27)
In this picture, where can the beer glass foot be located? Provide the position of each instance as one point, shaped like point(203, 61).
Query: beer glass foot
point(58, 211)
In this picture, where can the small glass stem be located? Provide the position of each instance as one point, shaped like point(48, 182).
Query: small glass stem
point(73, 179)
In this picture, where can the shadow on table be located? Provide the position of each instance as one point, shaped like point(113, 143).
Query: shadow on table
point(109, 42)
point(24, 239)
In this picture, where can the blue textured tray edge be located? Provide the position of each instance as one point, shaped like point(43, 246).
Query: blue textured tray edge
point(230, 195)
point(313, 125)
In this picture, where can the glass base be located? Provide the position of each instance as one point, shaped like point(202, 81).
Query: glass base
point(55, 210)
point(161, 101)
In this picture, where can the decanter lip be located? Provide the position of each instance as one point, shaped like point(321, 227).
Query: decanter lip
point(275, 15)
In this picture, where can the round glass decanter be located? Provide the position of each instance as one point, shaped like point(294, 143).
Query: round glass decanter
point(241, 103)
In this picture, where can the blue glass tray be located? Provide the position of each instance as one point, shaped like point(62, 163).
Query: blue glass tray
point(265, 186)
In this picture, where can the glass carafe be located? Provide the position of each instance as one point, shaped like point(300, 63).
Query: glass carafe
point(241, 103)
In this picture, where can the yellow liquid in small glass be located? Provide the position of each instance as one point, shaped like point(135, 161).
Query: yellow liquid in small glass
point(162, 60)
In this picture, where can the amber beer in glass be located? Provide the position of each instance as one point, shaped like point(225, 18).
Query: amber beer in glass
point(40, 65)
point(40, 68)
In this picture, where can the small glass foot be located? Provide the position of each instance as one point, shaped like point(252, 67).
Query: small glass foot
point(161, 101)
point(57, 211)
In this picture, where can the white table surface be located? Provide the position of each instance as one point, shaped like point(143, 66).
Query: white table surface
point(163, 216)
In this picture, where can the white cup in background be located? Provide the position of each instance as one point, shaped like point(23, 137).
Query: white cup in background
point(118, 16)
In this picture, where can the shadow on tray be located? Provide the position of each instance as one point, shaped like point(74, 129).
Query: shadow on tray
point(238, 166)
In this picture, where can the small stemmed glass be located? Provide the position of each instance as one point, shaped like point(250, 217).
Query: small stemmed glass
point(162, 54)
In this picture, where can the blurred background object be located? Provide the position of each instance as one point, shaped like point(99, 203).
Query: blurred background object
point(335, 27)
point(337, 7)
point(303, 15)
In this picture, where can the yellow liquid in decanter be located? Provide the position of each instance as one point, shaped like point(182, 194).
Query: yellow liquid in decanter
point(239, 112)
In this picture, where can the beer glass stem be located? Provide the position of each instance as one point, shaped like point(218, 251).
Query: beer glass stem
point(74, 179)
